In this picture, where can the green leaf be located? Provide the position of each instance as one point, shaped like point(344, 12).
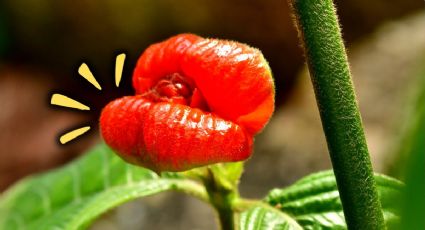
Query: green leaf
point(73, 196)
point(314, 200)
point(263, 218)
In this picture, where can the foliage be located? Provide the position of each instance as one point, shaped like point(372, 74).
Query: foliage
point(73, 196)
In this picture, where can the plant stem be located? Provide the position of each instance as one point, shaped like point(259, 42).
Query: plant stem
point(222, 198)
point(318, 26)
point(227, 220)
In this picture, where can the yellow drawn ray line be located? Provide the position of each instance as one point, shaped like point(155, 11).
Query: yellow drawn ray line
point(119, 65)
point(73, 134)
point(85, 72)
point(62, 100)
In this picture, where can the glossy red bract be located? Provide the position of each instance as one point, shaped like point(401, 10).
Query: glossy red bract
point(198, 102)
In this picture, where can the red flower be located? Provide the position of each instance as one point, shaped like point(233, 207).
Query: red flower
point(199, 101)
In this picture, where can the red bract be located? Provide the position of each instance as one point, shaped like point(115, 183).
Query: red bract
point(199, 101)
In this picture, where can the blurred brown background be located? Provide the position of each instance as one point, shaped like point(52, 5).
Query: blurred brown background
point(42, 43)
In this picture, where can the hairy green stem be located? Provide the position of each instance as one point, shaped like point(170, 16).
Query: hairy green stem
point(318, 26)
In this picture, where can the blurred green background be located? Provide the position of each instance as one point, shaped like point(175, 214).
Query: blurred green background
point(42, 43)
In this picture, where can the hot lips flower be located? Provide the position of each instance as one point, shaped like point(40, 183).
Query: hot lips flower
point(198, 102)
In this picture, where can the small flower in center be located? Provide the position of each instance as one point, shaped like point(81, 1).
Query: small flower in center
point(178, 89)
